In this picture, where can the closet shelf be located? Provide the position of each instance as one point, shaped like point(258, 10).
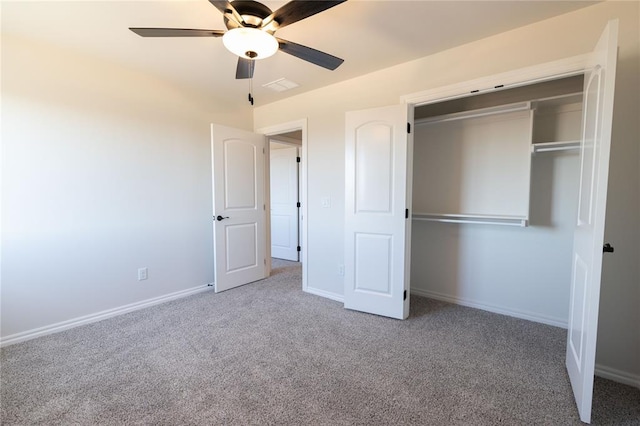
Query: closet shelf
point(483, 112)
point(473, 218)
point(558, 100)
point(554, 146)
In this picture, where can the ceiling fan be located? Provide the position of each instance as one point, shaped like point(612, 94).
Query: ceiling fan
point(250, 32)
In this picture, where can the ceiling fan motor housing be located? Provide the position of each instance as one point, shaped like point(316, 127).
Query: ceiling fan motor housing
point(252, 14)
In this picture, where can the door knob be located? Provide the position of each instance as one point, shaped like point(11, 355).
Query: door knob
point(607, 248)
point(219, 218)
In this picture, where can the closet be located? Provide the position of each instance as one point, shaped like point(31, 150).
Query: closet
point(495, 194)
point(478, 193)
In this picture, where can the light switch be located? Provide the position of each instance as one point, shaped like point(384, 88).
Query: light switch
point(142, 274)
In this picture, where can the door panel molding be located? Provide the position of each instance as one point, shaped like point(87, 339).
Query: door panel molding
point(588, 238)
point(237, 170)
point(377, 194)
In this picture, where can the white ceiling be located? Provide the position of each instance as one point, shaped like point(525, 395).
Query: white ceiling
point(368, 35)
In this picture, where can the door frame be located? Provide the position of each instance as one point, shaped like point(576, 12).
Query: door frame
point(555, 70)
point(567, 67)
point(269, 132)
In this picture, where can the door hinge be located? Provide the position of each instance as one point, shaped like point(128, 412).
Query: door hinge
point(297, 159)
point(405, 295)
point(299, 249)
point(406, 213)
point(298, 204)
point(408, 127)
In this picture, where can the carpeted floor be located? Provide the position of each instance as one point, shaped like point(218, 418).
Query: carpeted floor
point(267, 353)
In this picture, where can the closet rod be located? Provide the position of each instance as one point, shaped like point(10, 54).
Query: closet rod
point(473, 219)
point(554, 146)
point(483, 112)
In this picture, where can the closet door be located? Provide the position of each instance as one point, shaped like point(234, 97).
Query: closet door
point(377, 225)
point(589, 233)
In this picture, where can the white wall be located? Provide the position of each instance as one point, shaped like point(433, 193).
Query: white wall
point(484, 166)
point(557, 38)
point(104, 170)
point(518, 271)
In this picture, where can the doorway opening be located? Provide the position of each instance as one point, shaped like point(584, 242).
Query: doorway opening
point(286, 195)
point(284, 191)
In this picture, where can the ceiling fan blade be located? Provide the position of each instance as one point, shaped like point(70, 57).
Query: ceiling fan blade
point(308, 54)
point(176, 32)
point(227, 9)
point(298, 10)
point(245, 68)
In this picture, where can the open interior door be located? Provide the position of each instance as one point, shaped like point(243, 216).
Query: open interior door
point(237, 159)
point(378, 178)
point(599, 82)
point(284, 203)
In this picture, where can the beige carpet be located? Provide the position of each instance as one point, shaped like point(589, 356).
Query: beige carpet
point(267, 353)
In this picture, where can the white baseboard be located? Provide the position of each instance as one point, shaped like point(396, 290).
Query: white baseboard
point(618, 375)
point(530, 316)
point(326, 294)
point(98, 316)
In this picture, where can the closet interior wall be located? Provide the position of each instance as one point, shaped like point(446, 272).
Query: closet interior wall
point(523, 271)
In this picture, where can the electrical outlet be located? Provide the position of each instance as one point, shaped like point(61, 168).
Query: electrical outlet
point(325, 202)
point(341, 270)
point(142, 274)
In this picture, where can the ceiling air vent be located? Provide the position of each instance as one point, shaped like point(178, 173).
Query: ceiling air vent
point(280, 85)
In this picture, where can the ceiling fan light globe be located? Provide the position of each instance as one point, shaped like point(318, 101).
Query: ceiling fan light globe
point(250, 43)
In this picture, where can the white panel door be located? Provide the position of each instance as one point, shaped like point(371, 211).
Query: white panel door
point(238, 206)
point(284, 203)
point(589, 233)
point(378, 193)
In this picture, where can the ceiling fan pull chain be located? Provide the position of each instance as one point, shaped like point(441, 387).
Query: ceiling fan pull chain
point(251, 90)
